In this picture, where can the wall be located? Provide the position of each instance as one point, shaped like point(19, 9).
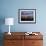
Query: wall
point(9, 8)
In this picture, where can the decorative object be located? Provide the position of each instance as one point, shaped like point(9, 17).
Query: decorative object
point(27, 16)
point(9, 21)
point(30, 33)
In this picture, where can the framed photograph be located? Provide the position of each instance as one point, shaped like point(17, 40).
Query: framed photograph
point(27, 16)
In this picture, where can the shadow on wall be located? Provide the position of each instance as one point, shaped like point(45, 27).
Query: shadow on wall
point(2, 21)
point(1, 39)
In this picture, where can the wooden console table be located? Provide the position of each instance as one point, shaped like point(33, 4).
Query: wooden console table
point(20, 39)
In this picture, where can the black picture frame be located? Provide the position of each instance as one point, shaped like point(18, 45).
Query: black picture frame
point(27, 16)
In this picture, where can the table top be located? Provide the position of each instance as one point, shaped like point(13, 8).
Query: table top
point(22, 35)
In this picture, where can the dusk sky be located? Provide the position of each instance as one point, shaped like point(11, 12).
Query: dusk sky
point(27, 13)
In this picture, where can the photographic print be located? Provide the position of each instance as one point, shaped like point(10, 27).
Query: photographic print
point(27, 15)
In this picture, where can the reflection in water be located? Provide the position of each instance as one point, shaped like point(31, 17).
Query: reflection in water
point(27, 18)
